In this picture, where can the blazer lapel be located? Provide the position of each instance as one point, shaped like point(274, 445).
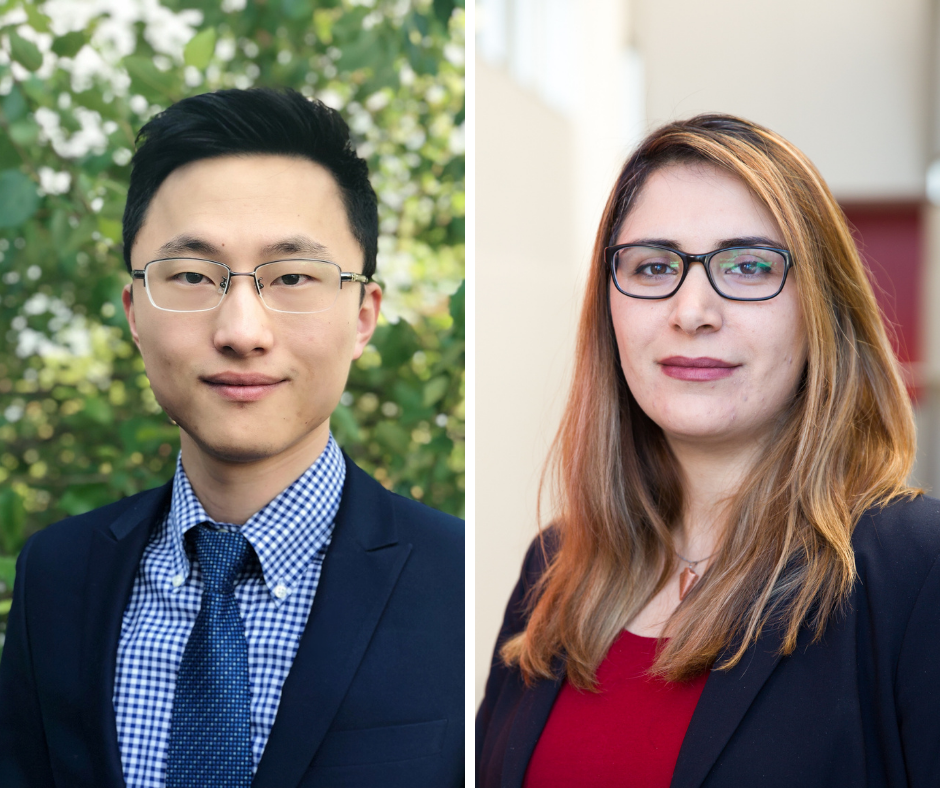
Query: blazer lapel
point(530, 718)
point(360, 570)
point(727, 696)
point(112, 566)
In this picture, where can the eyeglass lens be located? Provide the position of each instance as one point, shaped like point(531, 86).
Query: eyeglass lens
point(286, 286)
point(736, 273)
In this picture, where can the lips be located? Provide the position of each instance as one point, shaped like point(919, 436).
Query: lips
point(697, 369)
point(243, 386)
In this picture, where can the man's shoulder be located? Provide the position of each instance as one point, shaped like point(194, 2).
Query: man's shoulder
point(414, 521)
point(421, 520)
point(117, 517)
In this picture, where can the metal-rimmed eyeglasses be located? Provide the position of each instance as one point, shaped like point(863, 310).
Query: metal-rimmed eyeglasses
point(191, 284)
point(740, 273)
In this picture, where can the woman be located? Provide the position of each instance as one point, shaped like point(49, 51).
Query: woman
point(740, 588)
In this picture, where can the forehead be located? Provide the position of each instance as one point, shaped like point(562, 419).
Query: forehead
point(697, 206)
point(248, 203)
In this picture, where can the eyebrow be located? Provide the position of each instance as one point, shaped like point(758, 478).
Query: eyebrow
point(293, 245)
point(748, 240)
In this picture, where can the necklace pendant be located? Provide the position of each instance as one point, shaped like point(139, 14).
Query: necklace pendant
point(687, 580)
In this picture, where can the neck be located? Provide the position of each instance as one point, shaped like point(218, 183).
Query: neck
point(712, 477)
point(232, 491)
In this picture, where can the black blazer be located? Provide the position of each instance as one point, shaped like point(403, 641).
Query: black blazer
point(375, 696)
point(860, 708)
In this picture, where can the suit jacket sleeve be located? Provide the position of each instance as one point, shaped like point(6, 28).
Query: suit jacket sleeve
point(24, 755)
point(918, 685)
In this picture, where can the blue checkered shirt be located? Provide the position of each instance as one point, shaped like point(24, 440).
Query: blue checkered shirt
point(274, 593)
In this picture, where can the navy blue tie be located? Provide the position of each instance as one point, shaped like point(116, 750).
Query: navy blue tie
point(210, 736)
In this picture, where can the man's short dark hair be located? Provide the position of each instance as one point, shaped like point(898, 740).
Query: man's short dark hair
point(246, 122)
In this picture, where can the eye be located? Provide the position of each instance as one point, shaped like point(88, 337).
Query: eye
point(293, 280)
point(655, 268)
point(191, 278)
point(747, 267)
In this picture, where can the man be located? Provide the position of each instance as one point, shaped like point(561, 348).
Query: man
point(273, 617)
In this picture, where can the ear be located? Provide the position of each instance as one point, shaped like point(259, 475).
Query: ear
point(127, 298)
point(368, 317)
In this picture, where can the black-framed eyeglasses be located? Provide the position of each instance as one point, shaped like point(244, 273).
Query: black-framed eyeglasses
point(191, 284)
point(752, 273)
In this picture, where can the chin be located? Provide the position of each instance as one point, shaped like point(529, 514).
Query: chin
point(235, 452)
point(226, 446)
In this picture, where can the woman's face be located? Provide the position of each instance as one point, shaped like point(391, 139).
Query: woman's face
point(706, 369)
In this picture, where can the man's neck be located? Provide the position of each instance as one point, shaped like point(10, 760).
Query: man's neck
point(231, 492)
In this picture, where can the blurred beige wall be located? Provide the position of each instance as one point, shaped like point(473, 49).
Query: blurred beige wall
point(562, 91)
point(526, 279)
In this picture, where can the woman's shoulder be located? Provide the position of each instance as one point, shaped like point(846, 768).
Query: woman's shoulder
point(539, 555)
point(898, 544)
point(903, 528)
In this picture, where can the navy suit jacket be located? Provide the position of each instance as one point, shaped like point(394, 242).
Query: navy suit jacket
point(375, 696)
point(860, 708)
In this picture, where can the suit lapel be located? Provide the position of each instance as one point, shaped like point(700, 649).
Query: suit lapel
point(527, 727)
point(113, 560)
point(360, 570)
point(727, 696)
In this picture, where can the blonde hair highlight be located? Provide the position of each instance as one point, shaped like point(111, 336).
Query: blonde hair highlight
point(846, 443)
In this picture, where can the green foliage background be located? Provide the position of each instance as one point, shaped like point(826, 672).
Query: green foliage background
point(79, 426)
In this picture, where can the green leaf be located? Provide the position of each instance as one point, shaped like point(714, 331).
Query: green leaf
point(396, 344)
point(24, 132)
point(38, 21)
point(99, 410)
point(393, 437)
point(24, 52)
point(434, 389)
point(93, 100)
point(457, 307)
point(18, 198)
point(14, 105)
point(82, 498)
point(12, 520)
point(443, 9)
point(343, 423)
point(69, 44)
point(38, 90)
point(7, 570)
point(148, 78)
point(110, 228)
point(9, 157)
point(198, 52)
point(297, 9)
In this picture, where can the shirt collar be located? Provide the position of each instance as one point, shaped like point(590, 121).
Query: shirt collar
point(286, 534)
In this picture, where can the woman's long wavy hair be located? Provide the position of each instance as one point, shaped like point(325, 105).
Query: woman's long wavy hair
point(845, 443)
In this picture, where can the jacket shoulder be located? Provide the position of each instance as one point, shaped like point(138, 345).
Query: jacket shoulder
point(422, 519)
point(77, 528)
point(897, 558)
point(413, 521)
point(900, 537)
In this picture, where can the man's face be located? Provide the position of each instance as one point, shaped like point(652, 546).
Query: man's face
point(243, 382)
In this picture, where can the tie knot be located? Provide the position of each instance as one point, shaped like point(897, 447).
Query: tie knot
point(222, 554)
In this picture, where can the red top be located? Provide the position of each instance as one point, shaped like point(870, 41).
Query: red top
point(628, 734)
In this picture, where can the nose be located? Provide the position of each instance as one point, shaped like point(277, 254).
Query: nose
point(242, 322)
point(696, 307)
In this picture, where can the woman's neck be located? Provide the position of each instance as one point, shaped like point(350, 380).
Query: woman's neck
point(712, 477)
